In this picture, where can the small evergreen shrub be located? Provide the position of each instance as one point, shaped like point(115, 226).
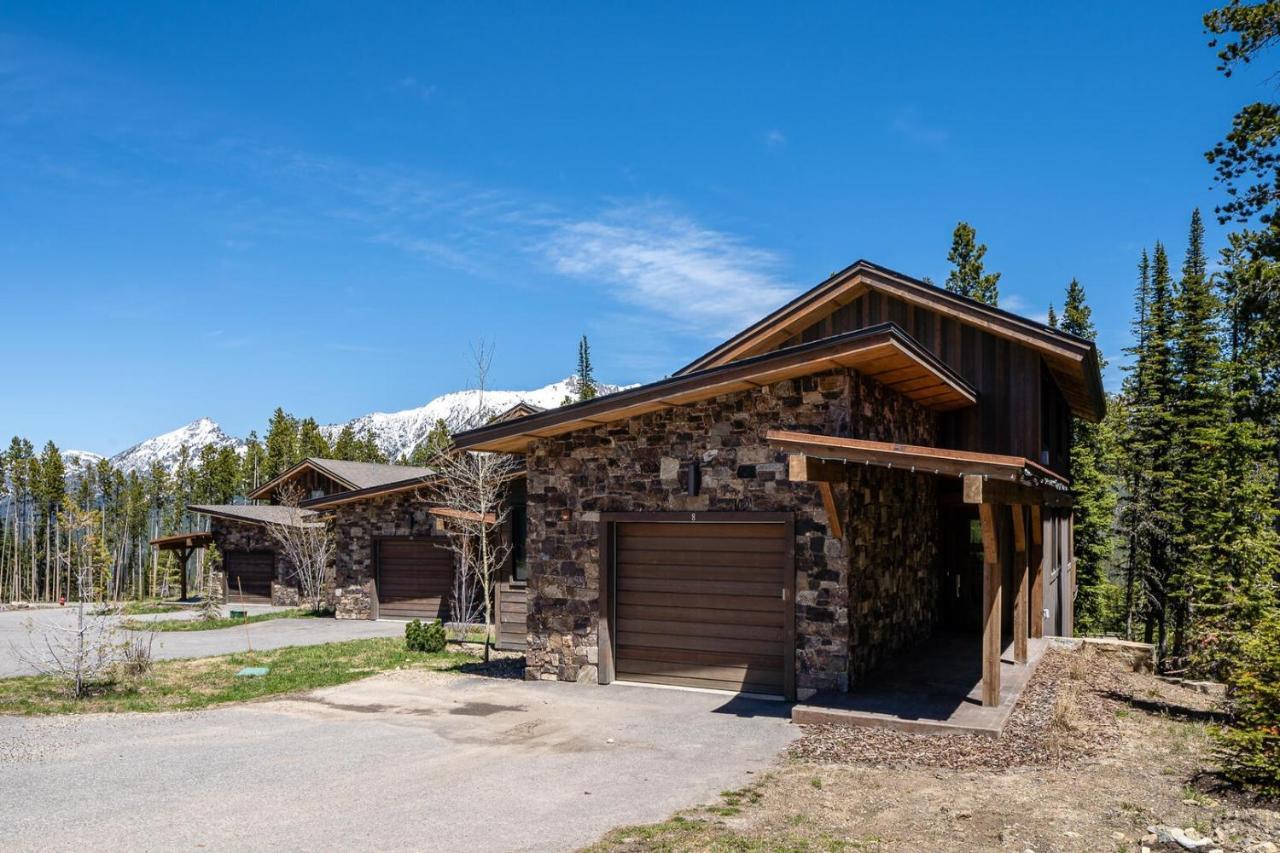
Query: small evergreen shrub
point(424, 638)
point(1250, 746)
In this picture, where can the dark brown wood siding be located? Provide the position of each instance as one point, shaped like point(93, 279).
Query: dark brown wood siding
point(415, 578)
point(701, 605)
point(1008, 376)
point(249, 575)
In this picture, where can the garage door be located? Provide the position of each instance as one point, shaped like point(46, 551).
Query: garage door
point(249, 576)
point(701, 604)
point(414, 579)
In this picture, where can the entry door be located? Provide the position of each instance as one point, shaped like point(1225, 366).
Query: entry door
point(701, 604)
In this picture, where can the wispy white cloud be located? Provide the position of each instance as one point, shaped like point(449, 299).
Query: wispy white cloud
point(413, 86)
point(664, 262)
point(1019, 305)
point(775, 139)
point(912, 126)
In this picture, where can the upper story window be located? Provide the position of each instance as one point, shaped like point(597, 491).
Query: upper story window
point(519, 532)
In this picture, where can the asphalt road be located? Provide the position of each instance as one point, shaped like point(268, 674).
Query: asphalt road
point(15, 640)
point(408, 760)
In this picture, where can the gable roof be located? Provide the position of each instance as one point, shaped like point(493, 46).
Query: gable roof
point(519, 410)
point(351, 475)
point(883, 352)
point(251, 513)
point(1073, 361)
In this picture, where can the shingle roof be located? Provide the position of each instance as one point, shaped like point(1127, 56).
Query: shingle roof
point(252, 513)
point(354, 476)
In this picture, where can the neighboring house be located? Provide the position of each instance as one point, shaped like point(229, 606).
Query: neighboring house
point(391, 554)
point(876, 461)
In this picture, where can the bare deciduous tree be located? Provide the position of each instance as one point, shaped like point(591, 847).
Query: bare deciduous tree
point(81, 654)
point(472, 488)
point(307, 542)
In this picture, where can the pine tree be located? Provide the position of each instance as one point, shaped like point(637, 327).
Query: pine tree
point(1052, 319)
point(968, 276)
point(1093, 451)
point(1198, 415)
point(437, 440)
point(586, 380)
point(311, 442)
point(344, 446)
point(253, 465)
point(281, 444)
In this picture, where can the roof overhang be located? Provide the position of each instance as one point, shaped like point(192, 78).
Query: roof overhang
point(1072, 361)
point(245, 513)
point(265, 490)
point(884, 352)
point(183, 541)
point(326, 501)
point(1026, 481)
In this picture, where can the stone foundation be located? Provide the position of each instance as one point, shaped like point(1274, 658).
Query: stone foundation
point(886, 562)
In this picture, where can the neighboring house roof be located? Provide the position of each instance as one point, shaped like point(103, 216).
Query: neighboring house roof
point(351, 475)
point(519, 410)
point(883, 352)
point(405, 485)
point(252, 513)
point(1073, 361)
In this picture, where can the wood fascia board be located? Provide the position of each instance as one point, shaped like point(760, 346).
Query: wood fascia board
point(297, 468)
point(840, 351)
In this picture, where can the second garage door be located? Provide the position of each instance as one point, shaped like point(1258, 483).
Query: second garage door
point(415, 578)
point(701, 604)
point(249, 575)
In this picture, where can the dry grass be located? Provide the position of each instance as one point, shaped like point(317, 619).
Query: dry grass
point(1093, 755)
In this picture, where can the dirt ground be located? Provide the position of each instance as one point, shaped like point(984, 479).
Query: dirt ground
point(1093, 756)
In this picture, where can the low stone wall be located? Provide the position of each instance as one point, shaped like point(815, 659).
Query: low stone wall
point(886, 560)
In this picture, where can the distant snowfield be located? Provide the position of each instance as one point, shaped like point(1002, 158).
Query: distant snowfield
point(396, 433)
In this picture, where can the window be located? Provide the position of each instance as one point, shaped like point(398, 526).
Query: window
point(519, 531)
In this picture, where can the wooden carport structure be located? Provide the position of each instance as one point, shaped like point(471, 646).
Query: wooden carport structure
point(996, 484)
point(184, 545)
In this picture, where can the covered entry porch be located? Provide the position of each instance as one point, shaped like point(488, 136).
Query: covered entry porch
point(1014, 522)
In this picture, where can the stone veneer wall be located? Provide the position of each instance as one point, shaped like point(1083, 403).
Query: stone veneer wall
point(231, 535)
point(356, 526)
point(633, 466)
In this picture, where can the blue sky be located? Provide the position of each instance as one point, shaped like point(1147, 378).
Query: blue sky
point(215, 209)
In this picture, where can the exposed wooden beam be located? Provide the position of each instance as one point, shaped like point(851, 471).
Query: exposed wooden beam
point(807, 469)
point(1037, 573)
point(1020, 615)
point(829, 506)
point(991, 611)
point(980, 489)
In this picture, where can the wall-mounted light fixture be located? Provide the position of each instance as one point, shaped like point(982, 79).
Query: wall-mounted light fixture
point(691, 472)
point(565, 515)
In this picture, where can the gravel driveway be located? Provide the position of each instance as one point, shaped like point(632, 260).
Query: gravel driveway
point(407, 760)
point(272, 634)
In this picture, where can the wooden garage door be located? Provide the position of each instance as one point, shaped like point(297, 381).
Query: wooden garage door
point(249, 576)
point(701, 604)
point(414, 579)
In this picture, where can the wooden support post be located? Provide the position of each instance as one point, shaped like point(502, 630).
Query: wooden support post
point(1020, 616)
point(1037, 573)
point(1069, 579)
point(184, 554)
point(829, 507)
point(991, 609)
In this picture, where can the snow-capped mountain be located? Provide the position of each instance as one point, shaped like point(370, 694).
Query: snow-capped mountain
point(397, 433)
point(167, 448)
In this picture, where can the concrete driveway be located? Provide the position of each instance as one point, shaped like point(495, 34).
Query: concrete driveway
point(194, 644)
point(407, 760)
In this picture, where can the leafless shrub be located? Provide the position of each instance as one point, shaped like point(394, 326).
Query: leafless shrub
point(307, 542)
point(466, 600)
point(135, 654)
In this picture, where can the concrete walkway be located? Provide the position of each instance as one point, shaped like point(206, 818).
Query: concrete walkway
point(404, 761)
point(273, 634)
point(934, 687)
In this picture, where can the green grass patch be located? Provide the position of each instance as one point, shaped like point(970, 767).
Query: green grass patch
point(183, 685)
point(198, 624)
point(141, 608)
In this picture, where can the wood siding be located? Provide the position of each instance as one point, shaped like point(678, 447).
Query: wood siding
point(1010, 378)
point(512, 611)
point(248, 576)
